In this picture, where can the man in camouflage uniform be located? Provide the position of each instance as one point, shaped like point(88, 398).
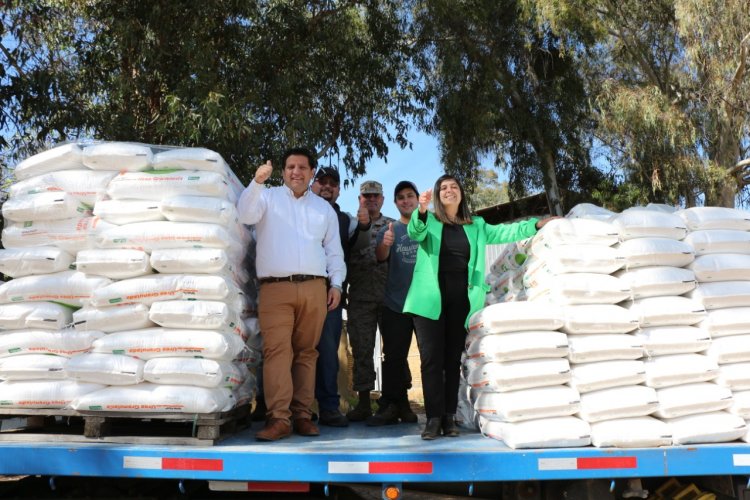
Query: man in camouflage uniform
point(366, 289)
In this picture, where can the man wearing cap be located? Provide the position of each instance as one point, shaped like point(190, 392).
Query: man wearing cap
point(400, 252)
point(298, 250)
point(327, 185)
point(366, 288)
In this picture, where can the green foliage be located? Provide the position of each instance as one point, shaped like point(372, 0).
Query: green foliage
point(489, 191)
point(245, 78)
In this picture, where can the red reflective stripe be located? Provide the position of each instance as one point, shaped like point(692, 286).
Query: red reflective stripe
point(607, 463)
point(400, 468)
point(192, 464)
point(280, 487)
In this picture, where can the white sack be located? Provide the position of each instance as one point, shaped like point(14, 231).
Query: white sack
point(541, 402)
point(44, 207)
point(65, 157)
point(67, 287)
point(719, 241)
point(655, 281)
point(699, 218)
point(587, 377)
point(634, 432)
point(677, 369)
point(112, 319)
point(575, 258)
point(732, 349)
point(114, 263)
point(149, 236)
point(603, 347)
point(110, 369)
point(524, 374)
point(190, 159)
point(159, 287)
point(618, 402)
point(33, 367)
point(515, 317)
point(740, 404)
point(191, 260)
point(121, 212)
point(159, 185)
point(85, 185)
point(642, 252)
point(44, 315)
point(638, 222)
point(60, 342)
point(71, 235)
point(666, 311)
point(200, 209)
point(119, 156)
point(722, 294)
point(554, 432)
point(589, 211)
point(155, 398)
point(689, 399)
point(580, 288)
point(716, 427)
point(198, 372)
point(661, 340)
point(164, 342)
point(196, 314)
point(727, 321)
point(19, 262)
point(598, 318)
point(54, 394)
point(736, 376)
point(721, 267)
point(521, 345)
point(574, 231)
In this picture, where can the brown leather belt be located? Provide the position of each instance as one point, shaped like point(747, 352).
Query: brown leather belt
point(294, 278)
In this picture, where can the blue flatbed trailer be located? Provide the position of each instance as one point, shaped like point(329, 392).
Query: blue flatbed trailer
point(359, 454)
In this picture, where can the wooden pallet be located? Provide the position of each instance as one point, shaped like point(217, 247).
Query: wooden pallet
point(121, 427)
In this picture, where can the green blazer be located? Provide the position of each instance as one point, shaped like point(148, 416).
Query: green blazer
point(423, 297)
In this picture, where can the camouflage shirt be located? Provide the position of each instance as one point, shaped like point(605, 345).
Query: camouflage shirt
point(365, 275)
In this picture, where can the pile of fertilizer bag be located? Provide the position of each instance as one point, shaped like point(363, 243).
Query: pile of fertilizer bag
point(623, 329)
point(129, 287)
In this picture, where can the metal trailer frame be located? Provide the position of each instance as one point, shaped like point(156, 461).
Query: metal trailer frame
point(360, 454)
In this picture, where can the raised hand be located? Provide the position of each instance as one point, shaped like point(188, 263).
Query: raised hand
point(389, 236)
point(424, 200)
point(263, 172)
point(363, 216)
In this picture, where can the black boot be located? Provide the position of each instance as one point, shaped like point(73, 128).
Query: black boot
point(386, 415)
point(259, 412)
point(405, 413)
point(450, 429)
point(431, 429)
point(362, 410)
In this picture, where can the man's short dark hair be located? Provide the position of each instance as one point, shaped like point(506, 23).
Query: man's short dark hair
point(300, 152)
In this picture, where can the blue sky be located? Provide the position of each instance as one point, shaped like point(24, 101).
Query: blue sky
point(420, 165)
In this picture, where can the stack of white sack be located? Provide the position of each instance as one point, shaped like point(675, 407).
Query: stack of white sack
point(516, 368)
point(505, 279)
point(720, 237)
point(185, 229)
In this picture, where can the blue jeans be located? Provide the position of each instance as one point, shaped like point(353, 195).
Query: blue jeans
point(327, 369)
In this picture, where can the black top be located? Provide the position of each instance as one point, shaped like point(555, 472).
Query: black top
point(454, 249)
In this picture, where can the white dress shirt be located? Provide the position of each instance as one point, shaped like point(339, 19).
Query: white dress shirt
point(294, 235)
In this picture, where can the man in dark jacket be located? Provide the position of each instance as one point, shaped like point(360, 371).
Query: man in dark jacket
point(327, 185)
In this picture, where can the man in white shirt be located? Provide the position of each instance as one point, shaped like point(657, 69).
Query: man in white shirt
point(298, 250)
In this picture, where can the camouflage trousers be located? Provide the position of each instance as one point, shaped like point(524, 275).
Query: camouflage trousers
point(361, 325)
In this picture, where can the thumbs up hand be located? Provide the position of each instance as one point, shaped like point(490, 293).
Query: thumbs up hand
point(389, 236)
point(424, 200)
point(263, 172)
point(363, 216)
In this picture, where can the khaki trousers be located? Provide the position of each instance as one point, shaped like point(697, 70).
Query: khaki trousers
point(291, 319)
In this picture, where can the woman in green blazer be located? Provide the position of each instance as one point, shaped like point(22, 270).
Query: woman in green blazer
point(447, 287)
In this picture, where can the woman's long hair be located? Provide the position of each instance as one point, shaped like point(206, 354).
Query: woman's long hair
point(463, 216)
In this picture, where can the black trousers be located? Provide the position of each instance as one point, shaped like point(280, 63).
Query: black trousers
point(396, 331)
point(441, 343)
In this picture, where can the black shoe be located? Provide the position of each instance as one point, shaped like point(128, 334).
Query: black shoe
point(386, 415)
point(259, 412)
point(405, 414)
point(362, 410)
point(450, 429)
point(333, 418)
point(431, 429)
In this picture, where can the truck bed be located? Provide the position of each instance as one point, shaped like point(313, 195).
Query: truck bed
point(365, 454)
